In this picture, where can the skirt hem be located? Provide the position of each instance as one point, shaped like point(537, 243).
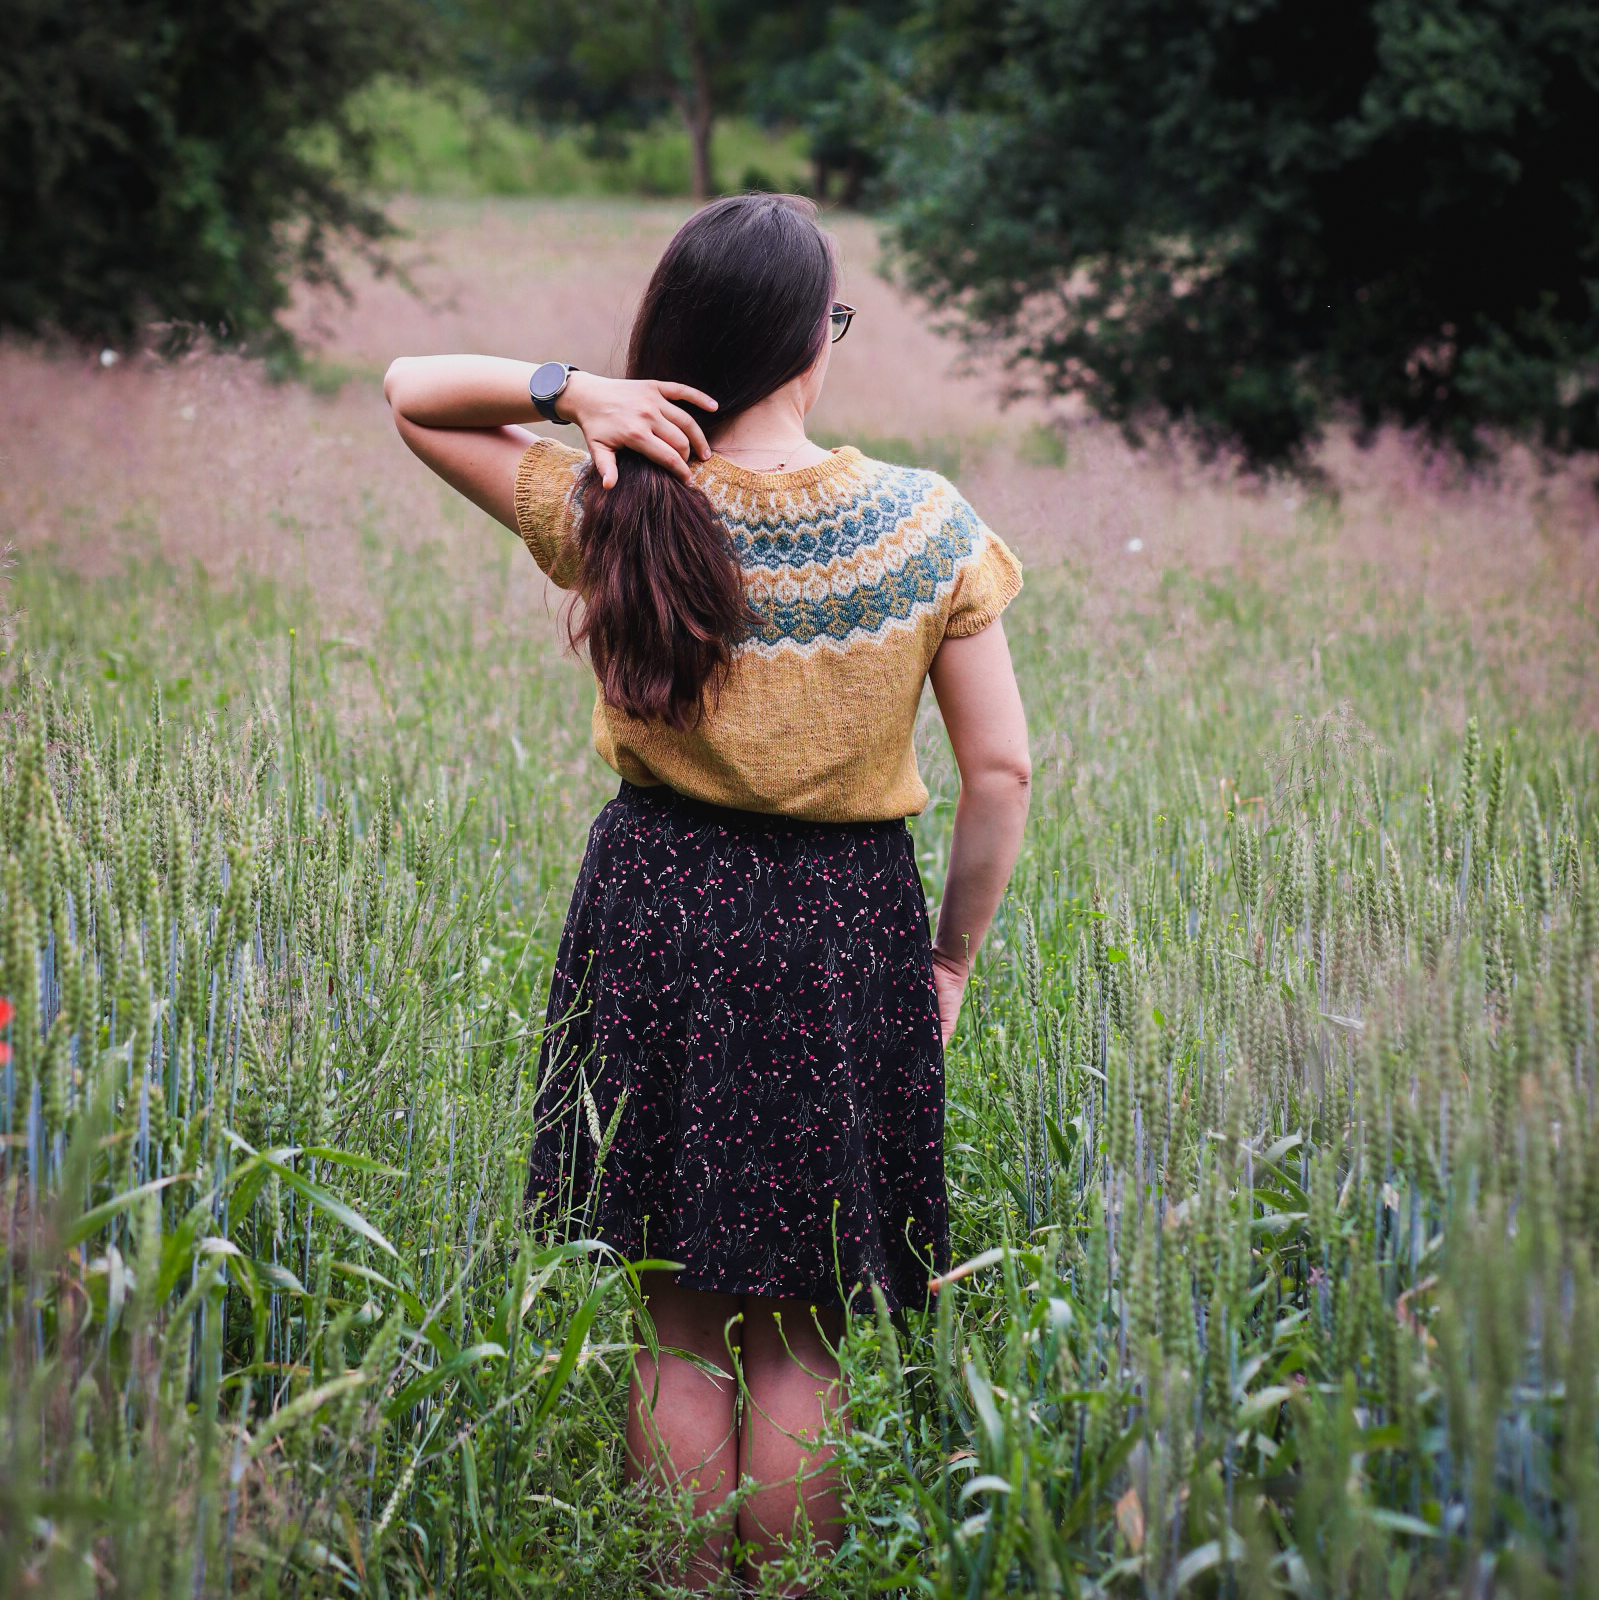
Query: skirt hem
point(863, 1304)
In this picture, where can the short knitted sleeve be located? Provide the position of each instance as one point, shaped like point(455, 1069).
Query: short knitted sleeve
point(990, 576)
point(549, 506)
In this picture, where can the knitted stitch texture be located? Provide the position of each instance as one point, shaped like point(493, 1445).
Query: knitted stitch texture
point(859, 571)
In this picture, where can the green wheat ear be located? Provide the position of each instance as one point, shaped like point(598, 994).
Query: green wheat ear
point(1540, 888)
point(1364, 1153)
point(1470, 763)
point(1491, 818)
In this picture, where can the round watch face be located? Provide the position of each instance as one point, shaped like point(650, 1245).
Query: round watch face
point(548, 380)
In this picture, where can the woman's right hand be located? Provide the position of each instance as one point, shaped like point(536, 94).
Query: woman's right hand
point(636, 414)
point(949, 981)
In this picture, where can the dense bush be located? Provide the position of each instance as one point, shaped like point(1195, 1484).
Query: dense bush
point(1243, 213)
point(184, 162)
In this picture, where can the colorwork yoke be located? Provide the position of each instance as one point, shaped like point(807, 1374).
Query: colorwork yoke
point(859, 570)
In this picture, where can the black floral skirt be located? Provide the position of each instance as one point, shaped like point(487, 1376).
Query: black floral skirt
point(742, 1070)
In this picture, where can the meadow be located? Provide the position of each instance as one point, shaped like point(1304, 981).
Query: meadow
point(1272, 1139)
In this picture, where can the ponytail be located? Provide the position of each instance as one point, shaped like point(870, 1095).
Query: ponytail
point(663, 596)
point(736, 307)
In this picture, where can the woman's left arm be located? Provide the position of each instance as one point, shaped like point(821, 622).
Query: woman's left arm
point(461, 415)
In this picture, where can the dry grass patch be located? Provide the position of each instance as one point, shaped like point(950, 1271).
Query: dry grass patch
point(208, 461)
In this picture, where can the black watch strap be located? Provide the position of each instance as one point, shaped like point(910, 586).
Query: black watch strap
point(547, 385)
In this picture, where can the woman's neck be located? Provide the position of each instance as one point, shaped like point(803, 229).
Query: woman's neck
point(769, 437)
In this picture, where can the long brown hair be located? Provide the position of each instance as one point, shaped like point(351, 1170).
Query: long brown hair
point(737, 307)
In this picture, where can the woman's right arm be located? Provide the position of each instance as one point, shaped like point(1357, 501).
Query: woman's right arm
point(461, 415)
point(975, 686)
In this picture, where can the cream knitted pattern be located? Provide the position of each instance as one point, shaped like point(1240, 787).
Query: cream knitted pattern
point(859, 570)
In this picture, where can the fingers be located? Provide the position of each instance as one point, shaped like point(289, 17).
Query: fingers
point(681, 391)
point(604, 459)
point(949, 984)
point(664, 455)
point(948, 1021)
point(693, 433)
point(674, 436)
point(640, 417)
point(649, 445)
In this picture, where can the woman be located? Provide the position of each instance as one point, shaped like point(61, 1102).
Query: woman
point(743, 1069)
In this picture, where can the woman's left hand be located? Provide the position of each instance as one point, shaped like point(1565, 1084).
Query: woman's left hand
point(636, 414)
point(950, 974)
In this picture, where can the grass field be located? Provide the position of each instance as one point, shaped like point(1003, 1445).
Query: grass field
point(1272, 1142)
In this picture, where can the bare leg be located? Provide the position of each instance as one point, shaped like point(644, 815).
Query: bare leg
point(687, 1433)
point(789, 1385)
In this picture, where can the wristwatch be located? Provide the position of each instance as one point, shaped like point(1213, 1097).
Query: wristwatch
point(547, 385)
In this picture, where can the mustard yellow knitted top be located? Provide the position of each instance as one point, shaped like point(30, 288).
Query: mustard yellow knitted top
point(859, 570)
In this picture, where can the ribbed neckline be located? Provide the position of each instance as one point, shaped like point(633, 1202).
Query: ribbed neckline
point(842, 465)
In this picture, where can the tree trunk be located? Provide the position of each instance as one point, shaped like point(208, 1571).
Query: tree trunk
point(698, 110)
point(821, 175)
point(854, 178)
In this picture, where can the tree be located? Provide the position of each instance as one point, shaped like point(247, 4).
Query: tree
point(1243, 214)
point(185, 161)
point(840, 78)
point(613, 63)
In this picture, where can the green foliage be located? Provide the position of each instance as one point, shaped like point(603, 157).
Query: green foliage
point(185, 164)
point(1043, 446)
point(943, 454)
point(616, 64)
point(271, 1321)
point(1270, 1130)
point(840, 81)
point(1249, 1307)
point(1241, 216)
point(436, 141)
point(610, 67)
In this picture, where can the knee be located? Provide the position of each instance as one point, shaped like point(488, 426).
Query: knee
point(778, 1334)
point(705, 1325)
